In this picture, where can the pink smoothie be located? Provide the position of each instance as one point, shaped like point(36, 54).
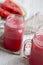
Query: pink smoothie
point(37, 51)
point(13, 34)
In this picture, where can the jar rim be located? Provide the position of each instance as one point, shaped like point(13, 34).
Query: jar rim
point(13, 15)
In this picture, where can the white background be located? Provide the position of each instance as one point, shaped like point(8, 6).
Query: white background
point(31, 6)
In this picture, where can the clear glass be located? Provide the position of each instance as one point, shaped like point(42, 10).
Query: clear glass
point(36, 48)
point(13, 33)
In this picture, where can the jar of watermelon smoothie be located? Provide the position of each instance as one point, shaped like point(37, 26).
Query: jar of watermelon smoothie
point(33, 49)
point(13, 32)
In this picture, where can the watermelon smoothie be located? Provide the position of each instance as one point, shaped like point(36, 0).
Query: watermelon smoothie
point(37, 50)
point(13, 33)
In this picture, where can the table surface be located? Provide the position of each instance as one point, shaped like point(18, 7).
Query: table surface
point(9, 59)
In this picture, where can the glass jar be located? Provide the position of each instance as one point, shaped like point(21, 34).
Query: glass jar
point(13, 32)
point(34, 48)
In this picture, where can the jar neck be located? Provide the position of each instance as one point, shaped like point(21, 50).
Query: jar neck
point(15, 21)
point(37, 42)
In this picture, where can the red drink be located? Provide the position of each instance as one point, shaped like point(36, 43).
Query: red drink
point(13, 35)
point(37, 50)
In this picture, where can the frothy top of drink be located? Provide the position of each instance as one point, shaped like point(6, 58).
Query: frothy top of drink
point(39, 37)
point(14, 22)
